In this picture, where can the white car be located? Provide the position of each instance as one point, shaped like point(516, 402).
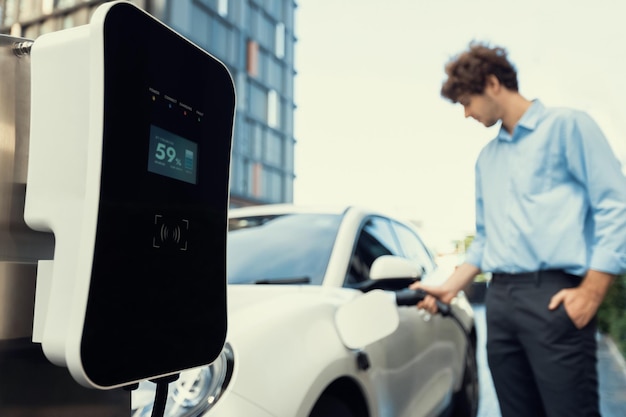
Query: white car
point(314, 329)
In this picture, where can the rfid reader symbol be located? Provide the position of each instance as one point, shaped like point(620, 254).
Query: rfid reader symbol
point(165, 233)
point(170, 233)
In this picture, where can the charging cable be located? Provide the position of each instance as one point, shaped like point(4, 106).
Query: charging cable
point(160, 396)
point(408, 297)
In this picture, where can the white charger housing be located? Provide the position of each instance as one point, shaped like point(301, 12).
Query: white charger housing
point(130, 141)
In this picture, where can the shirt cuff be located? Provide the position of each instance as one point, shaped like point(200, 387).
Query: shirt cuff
point(471, 257)
point(608, 261)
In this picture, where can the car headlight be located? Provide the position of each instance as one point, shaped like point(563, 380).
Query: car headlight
point(196, 391)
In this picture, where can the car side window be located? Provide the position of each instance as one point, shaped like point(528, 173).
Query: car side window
point(413, 248)
point(375, 239)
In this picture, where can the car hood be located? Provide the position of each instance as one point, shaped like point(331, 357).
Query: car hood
point(253, 305)
point(245, 299)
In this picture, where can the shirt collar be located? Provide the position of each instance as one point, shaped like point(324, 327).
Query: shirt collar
point(529, 121)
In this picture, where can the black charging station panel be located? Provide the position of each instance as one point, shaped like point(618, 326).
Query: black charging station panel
point(157, 298)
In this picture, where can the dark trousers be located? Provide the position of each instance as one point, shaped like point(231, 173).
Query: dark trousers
point(541, 364)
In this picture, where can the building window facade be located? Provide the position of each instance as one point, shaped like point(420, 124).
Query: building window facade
point(255, 39)
point(222, 7)
point(279, 40)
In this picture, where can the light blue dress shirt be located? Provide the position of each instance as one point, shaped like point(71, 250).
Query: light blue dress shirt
point(550, 196)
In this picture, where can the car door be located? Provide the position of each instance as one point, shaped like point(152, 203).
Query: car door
point(405, 365)
point(420, 334)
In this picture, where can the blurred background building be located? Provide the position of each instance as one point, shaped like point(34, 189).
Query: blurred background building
point(255, 39)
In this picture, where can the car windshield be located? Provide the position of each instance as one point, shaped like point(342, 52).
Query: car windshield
point(280, 249)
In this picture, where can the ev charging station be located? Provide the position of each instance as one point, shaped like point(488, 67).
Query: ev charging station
point(129, 156)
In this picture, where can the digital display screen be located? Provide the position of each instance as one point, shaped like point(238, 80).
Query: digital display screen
point(172, 156)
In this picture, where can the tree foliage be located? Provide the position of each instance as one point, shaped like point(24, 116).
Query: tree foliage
point(612, 313)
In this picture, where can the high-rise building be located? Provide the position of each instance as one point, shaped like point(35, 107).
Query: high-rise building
point(255, 39)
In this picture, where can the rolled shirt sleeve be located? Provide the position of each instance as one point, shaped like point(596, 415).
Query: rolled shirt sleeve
point(591, 161)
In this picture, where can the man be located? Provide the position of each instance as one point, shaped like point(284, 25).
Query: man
point(550, 226)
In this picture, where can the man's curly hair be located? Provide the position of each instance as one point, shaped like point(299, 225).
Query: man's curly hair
point(468, 71)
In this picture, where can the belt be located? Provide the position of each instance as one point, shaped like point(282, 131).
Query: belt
point(530, 277)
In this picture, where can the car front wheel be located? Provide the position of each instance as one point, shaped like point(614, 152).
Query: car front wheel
point(466, 400)
point(331, 406)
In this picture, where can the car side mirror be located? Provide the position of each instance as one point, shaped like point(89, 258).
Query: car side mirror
point(367, 319)
point(394, 267)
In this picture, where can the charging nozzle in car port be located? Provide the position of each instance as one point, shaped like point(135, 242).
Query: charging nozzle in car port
point(408, 297)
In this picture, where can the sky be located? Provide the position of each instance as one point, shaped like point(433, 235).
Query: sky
point(371, 127)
